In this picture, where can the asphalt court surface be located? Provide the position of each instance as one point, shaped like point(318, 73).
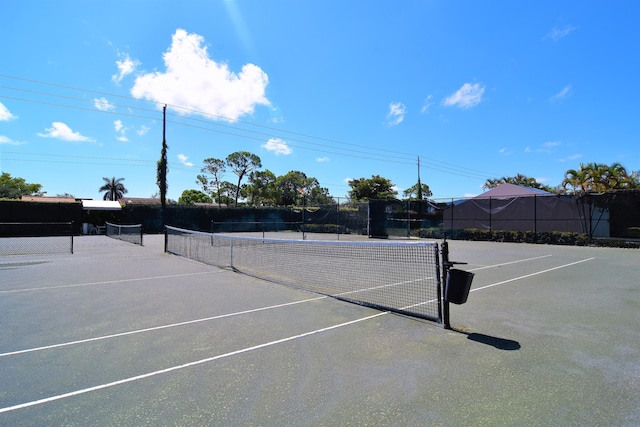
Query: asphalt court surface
point(118, 334)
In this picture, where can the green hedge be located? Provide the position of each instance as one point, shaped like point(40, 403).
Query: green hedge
point(325, 228)
point(551, 237)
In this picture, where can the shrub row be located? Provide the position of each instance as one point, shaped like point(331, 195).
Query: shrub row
point(326, 228)
point(551, 237)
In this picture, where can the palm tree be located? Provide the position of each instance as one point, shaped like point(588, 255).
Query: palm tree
point(598, 177)
point(113, 188)
point(518, 179)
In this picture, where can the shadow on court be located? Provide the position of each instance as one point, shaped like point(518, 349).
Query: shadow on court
point(499, 343)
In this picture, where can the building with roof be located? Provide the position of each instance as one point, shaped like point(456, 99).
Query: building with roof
point(511, 207)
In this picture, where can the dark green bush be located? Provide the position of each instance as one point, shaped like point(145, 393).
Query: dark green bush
point(325, 228)
point(551, 238)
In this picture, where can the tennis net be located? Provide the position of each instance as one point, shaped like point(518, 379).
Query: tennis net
point(399, 276)
point(26, 238)
point(128, 233)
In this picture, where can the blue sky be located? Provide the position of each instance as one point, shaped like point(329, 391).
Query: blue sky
point(336, 89)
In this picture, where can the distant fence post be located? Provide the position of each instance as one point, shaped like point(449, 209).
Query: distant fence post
point(490, 216)
point(452, 210)
point(535, 217)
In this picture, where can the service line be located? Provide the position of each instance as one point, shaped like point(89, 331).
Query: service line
point(532, 274)
point(155, 328)
point(108, 282)
point(186, 365)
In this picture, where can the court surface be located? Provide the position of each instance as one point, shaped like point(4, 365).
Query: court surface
point(119, 334)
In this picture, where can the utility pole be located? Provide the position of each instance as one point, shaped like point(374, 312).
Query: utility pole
point(419, 192)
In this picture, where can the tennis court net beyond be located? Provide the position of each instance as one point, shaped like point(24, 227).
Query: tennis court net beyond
point(27, 238)
point(388, 275)
point(128, 233)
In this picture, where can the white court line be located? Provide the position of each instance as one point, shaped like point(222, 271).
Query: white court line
point(186, 365)
point(247, 349)
point(510, 262)
point(155, 328)
point(122, 334)
point(532, 274)
point(108, 282)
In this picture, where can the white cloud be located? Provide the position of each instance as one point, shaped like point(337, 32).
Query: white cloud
point(564, 93)
point(59, 130)
point(4, 140)
point(426, 105)
point(396, 113)
point(121, 130)
point(468, 96)
point(194, 81)
point(570, 158)
point(548, 147)
point(505, 151)
point(183, 159)
point(103, 104)
point(558, 33)
point(323, 159)
point(143, 130)
point(5, 114)
point(125, 66)
point(278, 146)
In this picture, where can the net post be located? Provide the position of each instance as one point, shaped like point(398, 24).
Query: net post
point(141, 236)
point(166, 238)
point(445, 269)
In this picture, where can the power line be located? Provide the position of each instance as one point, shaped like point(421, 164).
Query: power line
point(432, 166)
point(365, 153)
point(92, 160)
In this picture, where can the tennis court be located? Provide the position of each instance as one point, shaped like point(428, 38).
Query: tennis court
point(124, 334)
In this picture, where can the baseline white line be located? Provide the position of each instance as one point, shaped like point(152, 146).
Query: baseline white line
point(186, 365)
point(532, 274)
point(108, 282)
point(155, 328)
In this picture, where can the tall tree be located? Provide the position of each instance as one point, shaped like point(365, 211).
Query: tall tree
point(260, 189)
point(372, 188)
point(421, 191)
point(212, 173)
point(226, 193)
point(242, 163)
point(290, 187)
point(189, 197)
point(163, 168)
point(518, 179)
point(598, 177)
point(114, 189)
point(15, 188)
point(318, 196)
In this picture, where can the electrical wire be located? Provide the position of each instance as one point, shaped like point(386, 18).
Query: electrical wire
point(363, 152)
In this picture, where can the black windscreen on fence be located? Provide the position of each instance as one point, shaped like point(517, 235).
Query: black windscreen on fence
point(22, 238)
